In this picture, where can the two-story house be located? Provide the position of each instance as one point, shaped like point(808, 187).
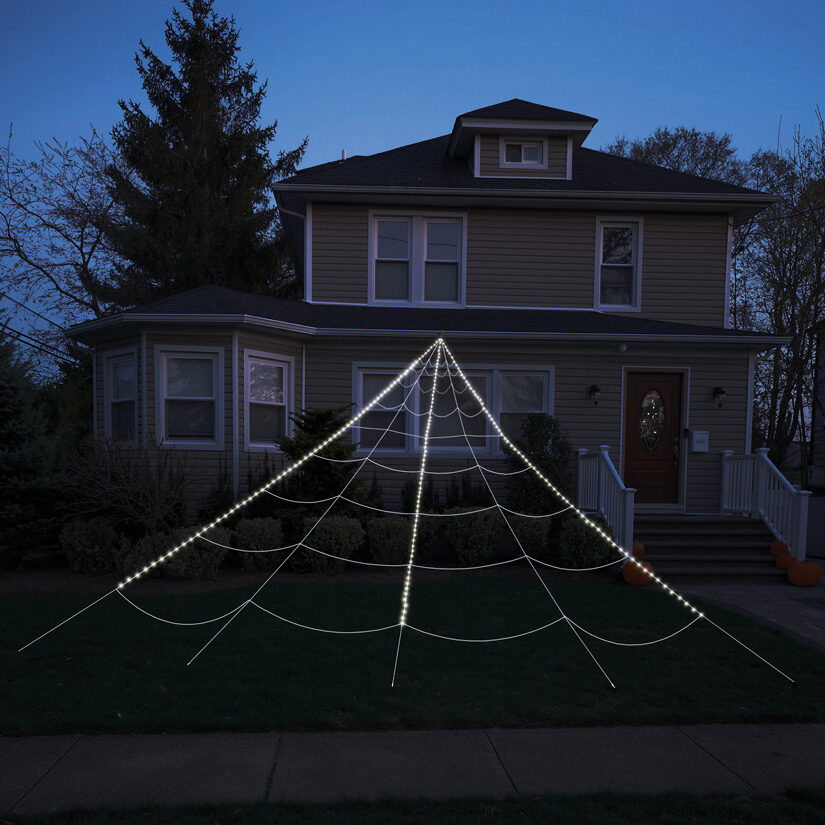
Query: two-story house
point(564, 279)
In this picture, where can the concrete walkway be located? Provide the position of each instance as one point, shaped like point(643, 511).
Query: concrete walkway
point(50, 773)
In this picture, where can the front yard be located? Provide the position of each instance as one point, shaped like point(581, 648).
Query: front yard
point(115, 670)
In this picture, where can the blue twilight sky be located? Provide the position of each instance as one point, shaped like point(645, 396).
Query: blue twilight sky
point(368, 76)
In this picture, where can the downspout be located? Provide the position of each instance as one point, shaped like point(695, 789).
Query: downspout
point(143, 402)
point(235, 449)
point(94, 392)
point(303, 375)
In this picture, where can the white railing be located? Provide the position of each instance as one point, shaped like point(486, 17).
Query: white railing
point(753, 485)
point(602, 490)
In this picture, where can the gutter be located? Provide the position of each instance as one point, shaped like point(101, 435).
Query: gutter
point(303, 329)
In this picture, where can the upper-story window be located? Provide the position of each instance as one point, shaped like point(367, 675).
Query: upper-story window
point(417, 259)
point(120, 392)
point(189, 398)
point(522, 154)
point(618, 264)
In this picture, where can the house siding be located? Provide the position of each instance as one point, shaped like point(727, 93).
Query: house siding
point(339, 253)
point(489, 158)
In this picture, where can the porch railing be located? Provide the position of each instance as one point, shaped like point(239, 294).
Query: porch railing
point(602, 490)
point(753, 485)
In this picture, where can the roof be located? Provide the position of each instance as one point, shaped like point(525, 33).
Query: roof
point(213, 304)
point(517, 109)
point(426, 166)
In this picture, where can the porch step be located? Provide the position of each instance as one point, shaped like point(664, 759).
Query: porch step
point(706, 546)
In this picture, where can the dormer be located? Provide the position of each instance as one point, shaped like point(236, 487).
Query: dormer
point(519, 139)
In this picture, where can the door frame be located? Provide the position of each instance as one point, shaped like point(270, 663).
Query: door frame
point(681, 492)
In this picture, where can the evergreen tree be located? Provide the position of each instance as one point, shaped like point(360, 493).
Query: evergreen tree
point(193, 182)
point(24, 461)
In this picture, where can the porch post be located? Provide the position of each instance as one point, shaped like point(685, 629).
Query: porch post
point(629, 514)
point(726, 497)
point(582, 452)
point(760, 481)
point(603, 448)
point(800, 547)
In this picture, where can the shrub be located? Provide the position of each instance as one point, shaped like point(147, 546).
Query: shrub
point(473, 539)
point(199, 560)
point(582, 546)
point(91, 546)
point(533, 533)
point(338, 535)
point(259, 534)
point(388, 539)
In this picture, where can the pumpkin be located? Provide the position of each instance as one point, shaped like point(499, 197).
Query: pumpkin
point(633, 574)
point(784, 561)
point(638, 548)
point(804, 573)
point(778, 547)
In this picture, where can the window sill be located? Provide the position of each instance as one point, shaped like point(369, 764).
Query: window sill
point(191, 445)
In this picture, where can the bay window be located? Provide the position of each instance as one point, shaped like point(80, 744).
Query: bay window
point(266, 412)
point(120, 393)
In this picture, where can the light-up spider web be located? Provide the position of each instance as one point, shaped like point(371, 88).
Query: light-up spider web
point(445, 378)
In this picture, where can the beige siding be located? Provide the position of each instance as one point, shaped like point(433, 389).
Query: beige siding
point(683, 268)
point(339, 253)
point(489, 158)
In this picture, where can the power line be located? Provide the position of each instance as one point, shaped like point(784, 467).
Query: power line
point(29, 341)
point(33, 311)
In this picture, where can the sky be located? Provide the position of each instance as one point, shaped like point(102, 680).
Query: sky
point(369, 76)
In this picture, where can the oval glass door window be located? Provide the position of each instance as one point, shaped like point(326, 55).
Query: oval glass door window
point(652, 421)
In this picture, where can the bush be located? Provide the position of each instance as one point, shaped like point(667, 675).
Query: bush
point(473, 539)
point(199, 560)
point(388, 539)
point(582, 546)
point(534, 535)
point(339, 535)
point(259, 534)
point(91, 546)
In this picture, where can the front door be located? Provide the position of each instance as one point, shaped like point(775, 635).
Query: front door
point(653, 429)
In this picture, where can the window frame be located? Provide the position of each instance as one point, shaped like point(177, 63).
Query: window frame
point(522, 141)
point(636, 222)
point(110, 357)
point(216, 354)
point(288, 363)
point(493, 447)
point(417, 255)
point(549, 375)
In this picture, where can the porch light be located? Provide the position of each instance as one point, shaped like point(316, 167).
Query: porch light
point(595, 393)
point(719, 395)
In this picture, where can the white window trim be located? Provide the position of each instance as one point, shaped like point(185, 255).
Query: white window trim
point(619, 220)
point(417, 257)
point(493, 374)
point(525, 164)
point(288, 363)
point(162, 352)
point(109, 358)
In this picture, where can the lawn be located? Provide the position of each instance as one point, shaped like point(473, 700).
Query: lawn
point(115, 670)
point(799, 807)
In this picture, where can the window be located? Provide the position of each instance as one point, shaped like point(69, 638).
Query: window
point(525, 154)
point(449, 416)
point(189, 398)
point(121, 396)
point(417, 259)
point(267, 399)
point(521, 393)
point(619, 266)
point(389, 414)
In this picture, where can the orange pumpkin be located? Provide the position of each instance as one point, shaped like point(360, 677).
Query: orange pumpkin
point(633, 574)
point(778, 547)
point(638, 548)
point(784, 561)
point(804, 573)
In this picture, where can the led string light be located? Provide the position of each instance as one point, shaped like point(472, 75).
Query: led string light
point(405, 595)
point(317, 522)
point(627, 556)
point(532, 566)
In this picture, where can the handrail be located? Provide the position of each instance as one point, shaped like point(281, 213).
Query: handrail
point(753, 485)
point(601, 490)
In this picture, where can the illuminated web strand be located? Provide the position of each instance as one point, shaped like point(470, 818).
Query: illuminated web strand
point(318, 520)
point(630, 558)
point(416, 435)
point(532, 566)
point(574, 569)
point(486, 641)
point(440, 472)
point(637, 644)
point(285, 472)
point(405, 595)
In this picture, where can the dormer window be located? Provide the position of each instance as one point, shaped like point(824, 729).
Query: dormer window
point(515, 153)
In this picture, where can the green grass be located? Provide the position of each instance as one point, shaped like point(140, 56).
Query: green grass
point(799, 807)
point(114, 670)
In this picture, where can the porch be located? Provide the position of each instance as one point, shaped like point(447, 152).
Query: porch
point(758, 504)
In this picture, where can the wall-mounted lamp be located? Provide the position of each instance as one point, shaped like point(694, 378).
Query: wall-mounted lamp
point(719, 395)
point(595, 393)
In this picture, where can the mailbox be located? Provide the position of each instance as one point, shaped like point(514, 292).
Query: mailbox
point(699, 441)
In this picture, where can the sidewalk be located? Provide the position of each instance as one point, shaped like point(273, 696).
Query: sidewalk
point(50, 773)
